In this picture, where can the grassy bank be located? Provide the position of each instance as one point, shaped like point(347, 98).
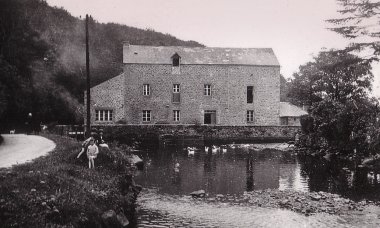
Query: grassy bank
point(59, 189)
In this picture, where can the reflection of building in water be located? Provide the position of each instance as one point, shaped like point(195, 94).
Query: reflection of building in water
point(290, 178)
point(261, 175)
point(250, 178)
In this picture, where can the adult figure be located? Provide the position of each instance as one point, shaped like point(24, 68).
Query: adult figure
point(29, 123)
point(101, 141)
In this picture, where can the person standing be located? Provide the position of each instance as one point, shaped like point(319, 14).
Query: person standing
point(86, 142)
point(29, 123)
point(101, 141)
point(92, 153)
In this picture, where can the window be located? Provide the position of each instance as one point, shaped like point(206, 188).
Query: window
point(207, 90)
point(146, 90)
point(176, 93)
point(250, 116)
point(147, 116)
point(176, 59)
point(210, 117)
point(103, 115)
point(249, 94)
point(176, 88)
point(284, 121)
point(176, 115)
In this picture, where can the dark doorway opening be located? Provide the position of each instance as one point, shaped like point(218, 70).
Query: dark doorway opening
point(210, 117)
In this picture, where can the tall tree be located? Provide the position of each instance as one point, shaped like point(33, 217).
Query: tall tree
point(336, 86)
point(360, 20)
point(336, 75)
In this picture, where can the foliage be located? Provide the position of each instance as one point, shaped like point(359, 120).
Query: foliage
point(344, 125)
point(335, 86)
point(359, 19)
point(42, 59)
point(334, 75)
point(60, 189)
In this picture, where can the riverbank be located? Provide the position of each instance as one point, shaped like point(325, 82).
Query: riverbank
point(60, 190)
point(252, 209)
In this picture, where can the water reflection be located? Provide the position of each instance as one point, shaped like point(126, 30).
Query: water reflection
point(220, 169)
point(340, 177)
point(291, 178)
point(235, 168)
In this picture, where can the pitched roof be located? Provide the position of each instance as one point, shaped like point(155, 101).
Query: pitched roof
point(287, 109)
point(199, 55)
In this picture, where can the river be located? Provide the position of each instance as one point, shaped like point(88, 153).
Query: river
point(172, 172)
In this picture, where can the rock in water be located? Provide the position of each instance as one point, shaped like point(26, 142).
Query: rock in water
point(122, 220)
point(198, 194)
point(315, 197)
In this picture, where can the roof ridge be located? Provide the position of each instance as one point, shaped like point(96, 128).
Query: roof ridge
point(200, 55)
point(198, 47)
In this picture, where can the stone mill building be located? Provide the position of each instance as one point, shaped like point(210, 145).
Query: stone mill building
point(191, 85)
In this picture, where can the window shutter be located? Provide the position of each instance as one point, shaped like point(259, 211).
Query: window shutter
point(176, 97)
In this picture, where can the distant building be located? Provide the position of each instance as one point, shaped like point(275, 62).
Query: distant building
point(290, 114)
point(191, 85)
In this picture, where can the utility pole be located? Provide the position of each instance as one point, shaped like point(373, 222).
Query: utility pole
point(88, 98)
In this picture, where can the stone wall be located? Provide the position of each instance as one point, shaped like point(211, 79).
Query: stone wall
point(229, 93)
point(130, 133)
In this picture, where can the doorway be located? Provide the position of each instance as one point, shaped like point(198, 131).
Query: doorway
point(210, 117)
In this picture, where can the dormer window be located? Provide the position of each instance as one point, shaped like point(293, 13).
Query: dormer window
point(176, 59)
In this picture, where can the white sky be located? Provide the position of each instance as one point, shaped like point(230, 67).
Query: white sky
point(295, 29)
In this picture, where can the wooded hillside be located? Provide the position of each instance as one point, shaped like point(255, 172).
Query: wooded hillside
point(42, 59)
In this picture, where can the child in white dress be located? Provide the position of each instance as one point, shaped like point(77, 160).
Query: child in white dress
point(92, 153)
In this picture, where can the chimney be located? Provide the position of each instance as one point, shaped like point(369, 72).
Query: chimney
point(126, 46)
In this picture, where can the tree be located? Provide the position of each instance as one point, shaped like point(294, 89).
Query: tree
point(360, 19)
point(344, 125)
point(335, 75)
point(303, 87)
point(336, 86)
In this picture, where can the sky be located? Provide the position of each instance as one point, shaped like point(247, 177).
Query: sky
point(295, 29)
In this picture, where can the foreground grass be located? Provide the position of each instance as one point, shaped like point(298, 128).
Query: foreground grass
point(59, 190)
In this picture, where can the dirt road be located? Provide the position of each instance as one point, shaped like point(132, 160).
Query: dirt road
point(20, 148)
